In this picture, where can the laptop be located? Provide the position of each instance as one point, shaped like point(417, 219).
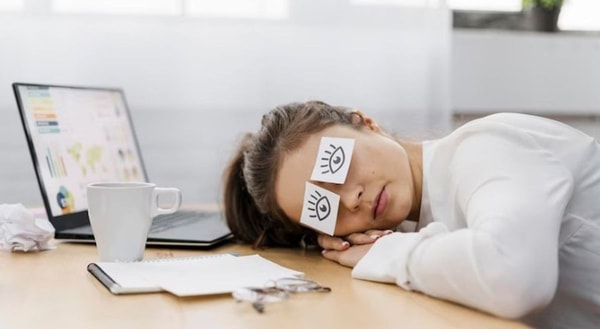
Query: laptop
point(77, 135)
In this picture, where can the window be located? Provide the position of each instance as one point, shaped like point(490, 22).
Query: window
point(138, 7)
point(403, 3)
point(266, 9)
point(488, 5)
point(11, 5)
point(582, 15)
point(578, 15)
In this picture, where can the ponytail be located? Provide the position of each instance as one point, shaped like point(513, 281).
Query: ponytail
point(241, 212)
point(245, 220)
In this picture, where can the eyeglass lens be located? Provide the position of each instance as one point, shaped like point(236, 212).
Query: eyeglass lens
point(276, 291)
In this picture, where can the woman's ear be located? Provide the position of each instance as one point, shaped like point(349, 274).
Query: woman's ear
point(367, 121)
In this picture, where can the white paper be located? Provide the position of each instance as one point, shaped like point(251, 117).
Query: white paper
point(203, 275)
point(21, 231)
point(320, 208)
point(333, 160)
point(225, 276)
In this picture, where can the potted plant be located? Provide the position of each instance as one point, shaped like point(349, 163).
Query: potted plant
point(542, 15)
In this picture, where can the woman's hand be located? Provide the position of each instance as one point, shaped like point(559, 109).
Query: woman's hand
point(350, 249)
point(348, 257)
point(342, 243)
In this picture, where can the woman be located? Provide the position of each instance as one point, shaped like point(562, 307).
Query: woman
point(506, 209)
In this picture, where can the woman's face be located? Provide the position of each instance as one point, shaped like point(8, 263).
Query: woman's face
point(378, 192)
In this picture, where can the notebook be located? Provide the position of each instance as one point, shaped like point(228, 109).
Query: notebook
point(191, 276)
point(77, 135)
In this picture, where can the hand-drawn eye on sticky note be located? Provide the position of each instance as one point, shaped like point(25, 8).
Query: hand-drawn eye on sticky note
point(320, 208)
point(333, 160)
point(319, 205)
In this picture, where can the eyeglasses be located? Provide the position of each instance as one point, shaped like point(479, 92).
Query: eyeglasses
point(275, 291)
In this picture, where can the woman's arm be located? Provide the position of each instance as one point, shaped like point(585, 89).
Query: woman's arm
point(512, 196)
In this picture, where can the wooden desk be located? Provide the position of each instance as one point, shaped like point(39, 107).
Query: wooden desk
point(52, 289)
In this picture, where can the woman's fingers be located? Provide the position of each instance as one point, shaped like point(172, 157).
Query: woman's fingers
point(349, 257)
point(337, 243)
point(361, 238)
point(367, 237)
point(332, 242)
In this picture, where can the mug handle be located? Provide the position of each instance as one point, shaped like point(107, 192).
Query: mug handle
point(158, 191)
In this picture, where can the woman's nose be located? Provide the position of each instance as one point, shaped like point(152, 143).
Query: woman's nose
point(350, 197)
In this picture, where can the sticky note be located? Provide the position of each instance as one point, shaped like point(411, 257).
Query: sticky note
point(333, 160)
point(320, 208)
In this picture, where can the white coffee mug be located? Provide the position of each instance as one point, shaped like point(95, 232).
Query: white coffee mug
point(121, 214)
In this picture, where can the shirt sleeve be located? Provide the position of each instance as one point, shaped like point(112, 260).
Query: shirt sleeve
point(512, 195)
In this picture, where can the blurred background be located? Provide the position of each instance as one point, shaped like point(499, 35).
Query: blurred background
point(199, 73)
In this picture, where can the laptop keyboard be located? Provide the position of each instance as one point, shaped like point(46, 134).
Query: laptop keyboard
point(178, 219)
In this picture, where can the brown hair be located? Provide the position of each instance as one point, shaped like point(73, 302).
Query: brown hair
point(251, 210)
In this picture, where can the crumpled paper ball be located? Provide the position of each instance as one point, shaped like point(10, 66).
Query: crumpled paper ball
point(21, 231)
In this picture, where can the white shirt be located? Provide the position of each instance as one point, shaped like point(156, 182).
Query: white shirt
point(510, 219)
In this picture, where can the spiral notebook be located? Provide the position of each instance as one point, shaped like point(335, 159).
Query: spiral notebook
point(189, 276)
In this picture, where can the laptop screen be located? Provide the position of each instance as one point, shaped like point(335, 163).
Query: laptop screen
point(77, 136)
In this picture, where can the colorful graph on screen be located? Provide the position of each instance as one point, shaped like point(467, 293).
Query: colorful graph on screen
point(80, 135)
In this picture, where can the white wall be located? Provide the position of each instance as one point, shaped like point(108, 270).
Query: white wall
point(542, 73)
point(195, 84)
point(552, 75)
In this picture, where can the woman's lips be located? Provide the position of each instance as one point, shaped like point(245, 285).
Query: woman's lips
point(380, 203)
